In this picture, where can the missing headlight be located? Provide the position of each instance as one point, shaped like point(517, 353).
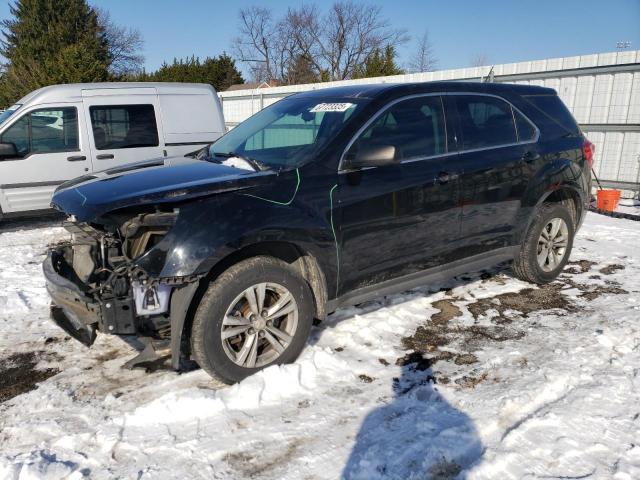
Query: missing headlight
point(144, 231)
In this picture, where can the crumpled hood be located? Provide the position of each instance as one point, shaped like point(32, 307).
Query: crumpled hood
point(170, 179)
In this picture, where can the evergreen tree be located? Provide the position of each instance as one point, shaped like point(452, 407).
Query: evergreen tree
point(379, 64)
point(48, 42)
point(301, 71)
point(220, 72)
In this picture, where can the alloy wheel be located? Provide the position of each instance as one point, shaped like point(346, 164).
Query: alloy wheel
point(552, 244)
point(259, 325)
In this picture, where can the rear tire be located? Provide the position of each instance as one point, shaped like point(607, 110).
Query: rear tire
point(547, 245)
point(258, 313)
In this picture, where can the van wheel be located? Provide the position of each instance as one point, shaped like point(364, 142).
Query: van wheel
point(547, 245)
point(257, 313)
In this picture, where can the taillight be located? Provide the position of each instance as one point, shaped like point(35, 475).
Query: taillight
point(588, 149)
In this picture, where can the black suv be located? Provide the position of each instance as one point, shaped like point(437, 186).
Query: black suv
point(323, 199)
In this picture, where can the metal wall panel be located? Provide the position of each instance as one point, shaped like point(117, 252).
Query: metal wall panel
point(601, 90)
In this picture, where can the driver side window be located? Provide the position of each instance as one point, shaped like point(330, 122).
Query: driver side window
point(18, 134)
point(415, 127)
point(44, 131)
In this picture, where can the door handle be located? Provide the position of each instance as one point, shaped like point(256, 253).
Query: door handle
point(444, 177)
point(76, 158)
point(104, 156)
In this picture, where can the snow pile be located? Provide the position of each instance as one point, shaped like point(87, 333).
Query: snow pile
point(509, 381)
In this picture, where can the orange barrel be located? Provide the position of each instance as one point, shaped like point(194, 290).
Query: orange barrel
point(608, 199)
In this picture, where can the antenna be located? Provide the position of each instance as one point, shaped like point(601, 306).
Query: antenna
point(489, 77)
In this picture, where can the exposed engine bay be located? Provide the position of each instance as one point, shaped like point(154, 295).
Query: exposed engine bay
point(113, 294)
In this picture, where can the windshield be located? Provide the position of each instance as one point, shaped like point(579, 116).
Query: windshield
point(289, 132)
point(8, 112)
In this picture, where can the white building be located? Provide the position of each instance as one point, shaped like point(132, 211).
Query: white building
point(602, 91)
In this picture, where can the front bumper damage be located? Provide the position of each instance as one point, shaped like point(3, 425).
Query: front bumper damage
point(71, 309)
point(115, 299)
point(77, 311)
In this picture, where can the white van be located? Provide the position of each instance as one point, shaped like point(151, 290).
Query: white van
point(63, 131)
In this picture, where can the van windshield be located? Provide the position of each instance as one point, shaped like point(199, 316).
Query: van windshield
point(8, 112)
point(289, 132)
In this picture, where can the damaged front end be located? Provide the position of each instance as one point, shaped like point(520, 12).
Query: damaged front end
point(96, 285)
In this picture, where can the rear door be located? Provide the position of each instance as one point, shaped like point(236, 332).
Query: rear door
point(398, 219)
point(51, 149)
point(494, 164)
point(123, 128)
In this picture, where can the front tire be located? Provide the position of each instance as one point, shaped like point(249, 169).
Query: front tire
point(258, 313)
point(547, 245)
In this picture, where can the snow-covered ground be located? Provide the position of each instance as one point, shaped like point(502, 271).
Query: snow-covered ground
point(509, 381)
point(629, 205)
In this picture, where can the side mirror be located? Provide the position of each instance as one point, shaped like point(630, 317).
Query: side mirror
point(374, 156)
point(8, 150)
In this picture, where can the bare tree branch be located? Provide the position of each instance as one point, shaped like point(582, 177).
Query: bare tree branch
point(329, 46)
point(480, 60)
point(125, 46)
point(255, 45)
point(423, 59)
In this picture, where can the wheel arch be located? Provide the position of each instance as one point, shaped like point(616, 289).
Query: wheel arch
point(567, 195)
point(299, 258)
point(303, 261)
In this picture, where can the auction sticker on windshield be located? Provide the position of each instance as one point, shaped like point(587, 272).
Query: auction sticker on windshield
point(331, 107)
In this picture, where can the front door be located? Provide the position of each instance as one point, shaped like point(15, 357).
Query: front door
point(123, 129)
point(50, 150)
point(402, 218)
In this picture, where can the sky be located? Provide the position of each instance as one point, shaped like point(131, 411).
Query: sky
point(502, 31)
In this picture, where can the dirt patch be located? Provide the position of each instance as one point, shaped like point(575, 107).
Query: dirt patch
point(497, 319)
point(471, 382)
point(254, 466)
point(465, 359)
point(429, 337)
point(591, 292)
point(583, 265)
point(495, 333)
point(383, 362)
point(526, 301)
point(610, 269)
point(365, 378)
point(444, 470)
point(448, 310)
point(18, 374)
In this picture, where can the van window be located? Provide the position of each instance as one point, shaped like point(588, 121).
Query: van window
point(485, 121)
point(45, 130)
point(415, 127)
point(123, 126)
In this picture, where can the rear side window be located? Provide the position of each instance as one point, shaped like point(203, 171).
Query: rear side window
point(485, 122)
point(526, 131)
point(553, 113)
point(123, 126)
point(47, 130)
point(415, 127)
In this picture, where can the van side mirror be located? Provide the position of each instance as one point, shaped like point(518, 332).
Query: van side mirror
point(8, 150)
point(374, 156)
